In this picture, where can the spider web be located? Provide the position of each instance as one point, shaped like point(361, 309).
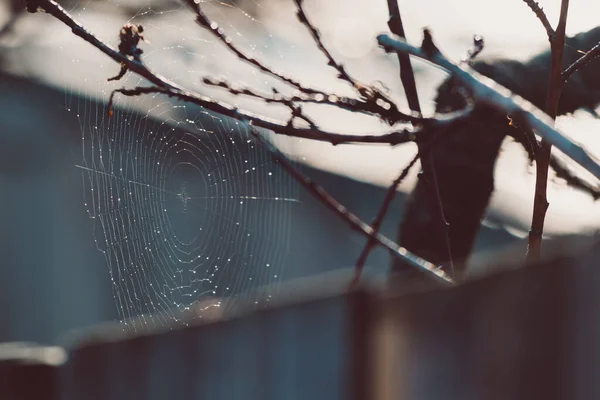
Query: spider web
point(188, 211)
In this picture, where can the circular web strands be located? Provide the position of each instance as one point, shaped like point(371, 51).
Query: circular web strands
point(182, 215)
point(188, 211)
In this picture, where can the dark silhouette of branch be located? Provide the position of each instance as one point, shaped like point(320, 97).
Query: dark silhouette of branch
point(356, 223)
point(487, 92)
point(542, 160)
point(539, 12)
point(588, 57)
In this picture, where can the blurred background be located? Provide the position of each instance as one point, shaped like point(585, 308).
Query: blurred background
point(162, 205)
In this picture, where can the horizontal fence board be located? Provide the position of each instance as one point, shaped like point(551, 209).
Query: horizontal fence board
point(298, 351)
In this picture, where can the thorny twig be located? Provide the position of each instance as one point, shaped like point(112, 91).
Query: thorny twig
point(555, 86)
point(539, 12)
point(356, 223)
point(589, 56)
point(488, 92)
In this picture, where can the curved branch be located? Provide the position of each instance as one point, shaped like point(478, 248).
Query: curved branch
point(486, 91)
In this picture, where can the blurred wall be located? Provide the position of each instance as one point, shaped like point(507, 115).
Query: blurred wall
point(52, 277)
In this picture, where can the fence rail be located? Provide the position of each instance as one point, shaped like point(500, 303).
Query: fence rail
point(521, 334)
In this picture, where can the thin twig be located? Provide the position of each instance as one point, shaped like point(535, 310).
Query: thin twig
point(164, 86)
point(407, 76)
point(356, 223)
point(408, 81)
point(368, 92)
point(387, 110)
point(494, 95)
point(214, 28)
point(532, 146)
point(555, 85)
point(316, 35)
point(394, 137)
point(342, 102)
point(539, 12)
point(581, 62)
point(376, 224)
point(571, 179)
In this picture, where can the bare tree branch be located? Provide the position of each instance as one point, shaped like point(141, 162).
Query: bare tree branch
point(407, 75)
point(214, 28)
point(372, 101)
point(408, 81)
point(375, 101)
point(555, 86)
point(164, 86)
point(387, 110)
point(539, 12)
point(488, 92)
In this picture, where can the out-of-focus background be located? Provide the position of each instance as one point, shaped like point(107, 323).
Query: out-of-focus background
point(162, 204)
